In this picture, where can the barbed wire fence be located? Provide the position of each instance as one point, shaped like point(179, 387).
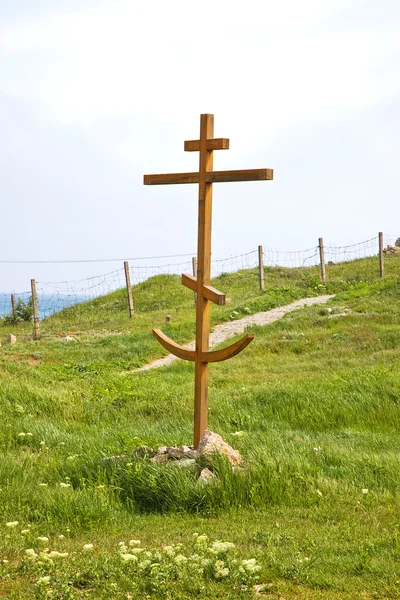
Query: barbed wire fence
point(86, 295)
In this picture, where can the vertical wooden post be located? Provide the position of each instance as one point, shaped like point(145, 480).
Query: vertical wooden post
point(322, 259)
point(261, 266)
point(36, 326)
point(13, 306)
point(194, 271)
point(203, 278)
point(129, 289)
point(381, 272)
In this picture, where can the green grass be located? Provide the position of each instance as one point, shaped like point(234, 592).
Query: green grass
point(316, 398)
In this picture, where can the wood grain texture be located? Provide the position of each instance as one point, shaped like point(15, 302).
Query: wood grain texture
point(208, 291)
point(173, 347)
point(214, 144)
point(240, 175)
point(170, 178)
point(210, 177)
point(229, 352)
point(199, 283)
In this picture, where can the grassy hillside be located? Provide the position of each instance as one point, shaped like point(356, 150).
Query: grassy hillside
point(312, 404)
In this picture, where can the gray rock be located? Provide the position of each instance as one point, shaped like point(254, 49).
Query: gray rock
point(143, 452)
point(160, 458)
point(188, 451)
point(12, 339)
point(162, 450)
point(175, 452)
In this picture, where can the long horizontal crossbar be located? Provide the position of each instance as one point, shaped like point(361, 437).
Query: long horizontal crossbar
point(208, 292)
point(211, 177)
point(212, 144)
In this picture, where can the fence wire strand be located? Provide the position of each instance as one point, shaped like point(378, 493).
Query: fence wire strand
point(54, 296)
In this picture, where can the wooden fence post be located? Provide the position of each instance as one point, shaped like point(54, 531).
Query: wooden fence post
point(261, 266)
point(36, 326)
point(381, 254)
point(322, 259)
point(13, 307)
point(129, 289)
point(194, 270)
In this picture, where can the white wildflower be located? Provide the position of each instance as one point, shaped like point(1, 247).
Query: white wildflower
point(56, 554)
point(221, 547)
point(220, 570)
point(317, 449)
point(127, 557)
point(29, 434)
point(61, 537)
point(12, 524)
point(65, 485)
point(43, 580)
point(31, 553)
point(134, 543)
point(180, 559)
point(238, 434)
point(202, 540)
point(364, 491)
point(22, 434)
point(43, 485)
point(136, 550)
point(319, 493)
point(250, 565)
point(25, 531)
point(43, 538)
point(169, 550)
point(88, 547)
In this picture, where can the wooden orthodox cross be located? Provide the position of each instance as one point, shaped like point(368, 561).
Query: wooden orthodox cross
point(201, 284)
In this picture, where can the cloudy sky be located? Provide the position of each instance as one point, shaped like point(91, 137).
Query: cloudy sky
point(93, 94)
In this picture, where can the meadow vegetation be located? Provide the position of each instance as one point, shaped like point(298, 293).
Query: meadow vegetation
point(313, 405)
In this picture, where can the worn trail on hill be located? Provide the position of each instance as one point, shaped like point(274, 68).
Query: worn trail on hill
point(227, 330)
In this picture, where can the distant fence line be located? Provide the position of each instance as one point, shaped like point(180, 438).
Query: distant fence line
point(51, 297)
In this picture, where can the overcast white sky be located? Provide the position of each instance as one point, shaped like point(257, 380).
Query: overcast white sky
point(93, 94)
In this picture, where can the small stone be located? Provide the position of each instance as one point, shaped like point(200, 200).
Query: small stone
point(174, 452)
point(188, 452)
point(206, 476)
point(162, 450)
point(12, 339)
point(212, 442)
point(143, 452)
point(68, 338)
point(160, 458)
